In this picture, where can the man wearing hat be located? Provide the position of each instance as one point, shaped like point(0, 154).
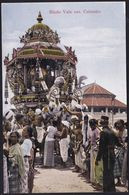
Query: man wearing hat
point(55, 90)
point(107, 143)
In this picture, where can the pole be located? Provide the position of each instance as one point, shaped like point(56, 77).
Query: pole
point(113, 104)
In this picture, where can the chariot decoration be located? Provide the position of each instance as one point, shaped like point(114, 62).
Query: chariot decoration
point(42, 70)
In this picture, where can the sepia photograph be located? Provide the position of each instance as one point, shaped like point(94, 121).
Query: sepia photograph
point(64, 97)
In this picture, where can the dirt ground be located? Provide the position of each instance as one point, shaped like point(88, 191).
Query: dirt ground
point(61, 180)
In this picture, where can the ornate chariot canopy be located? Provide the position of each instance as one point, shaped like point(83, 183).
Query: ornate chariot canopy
point(34, 67)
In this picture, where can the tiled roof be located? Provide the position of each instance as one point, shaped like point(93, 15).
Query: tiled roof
point(94, 88)
point(97, 96)
point(102, 102)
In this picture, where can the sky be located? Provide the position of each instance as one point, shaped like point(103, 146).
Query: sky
point(96, 31)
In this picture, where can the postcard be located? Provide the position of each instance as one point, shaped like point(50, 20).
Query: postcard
point(64, 92)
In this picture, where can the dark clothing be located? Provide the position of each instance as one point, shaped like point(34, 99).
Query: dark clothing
point(14, 180)
point(64, 133)
point(30, 176)
point(108, 140)
point(119, 157)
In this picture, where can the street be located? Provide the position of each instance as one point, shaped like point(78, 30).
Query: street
point(52, 180)
point(60, 180)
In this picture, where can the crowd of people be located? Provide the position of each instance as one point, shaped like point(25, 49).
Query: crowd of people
point(96, 150)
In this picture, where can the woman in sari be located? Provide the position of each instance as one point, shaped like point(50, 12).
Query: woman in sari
point(16, 168)
point(121, 133)
point(26, 148)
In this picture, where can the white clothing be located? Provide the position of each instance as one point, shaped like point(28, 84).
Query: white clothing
point(80, 158)
point(5, 175)
point(26, 147)
point(93, 155)
point(40, 133)
point(64, 145)
point(84, 126)
point(125, 134)
point(57, 111)
point(12, 123)
point(93, 136)
point(9, 114)
point(19, 131)
point(38, 111)
point(59, 80)
point(51, 132)
point(84, 132)
point(73, 104)
point(68, 138)
point(65, 123)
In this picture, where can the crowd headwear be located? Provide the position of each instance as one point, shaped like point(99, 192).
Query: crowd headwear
point(120, 121)
point(59, 80)
point(9, 114)
point(106, 118)
point(65, 123)
point(93, 122)
point(74, 117)
point(63, 104)
point(46, 108)
point(38, 111)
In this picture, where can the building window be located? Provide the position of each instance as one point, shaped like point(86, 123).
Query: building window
point(89, 109)
point(109, 109)
point(122, 111)
point(99, 109)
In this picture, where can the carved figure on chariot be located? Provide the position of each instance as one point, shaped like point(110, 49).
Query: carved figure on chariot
point(41, 71)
